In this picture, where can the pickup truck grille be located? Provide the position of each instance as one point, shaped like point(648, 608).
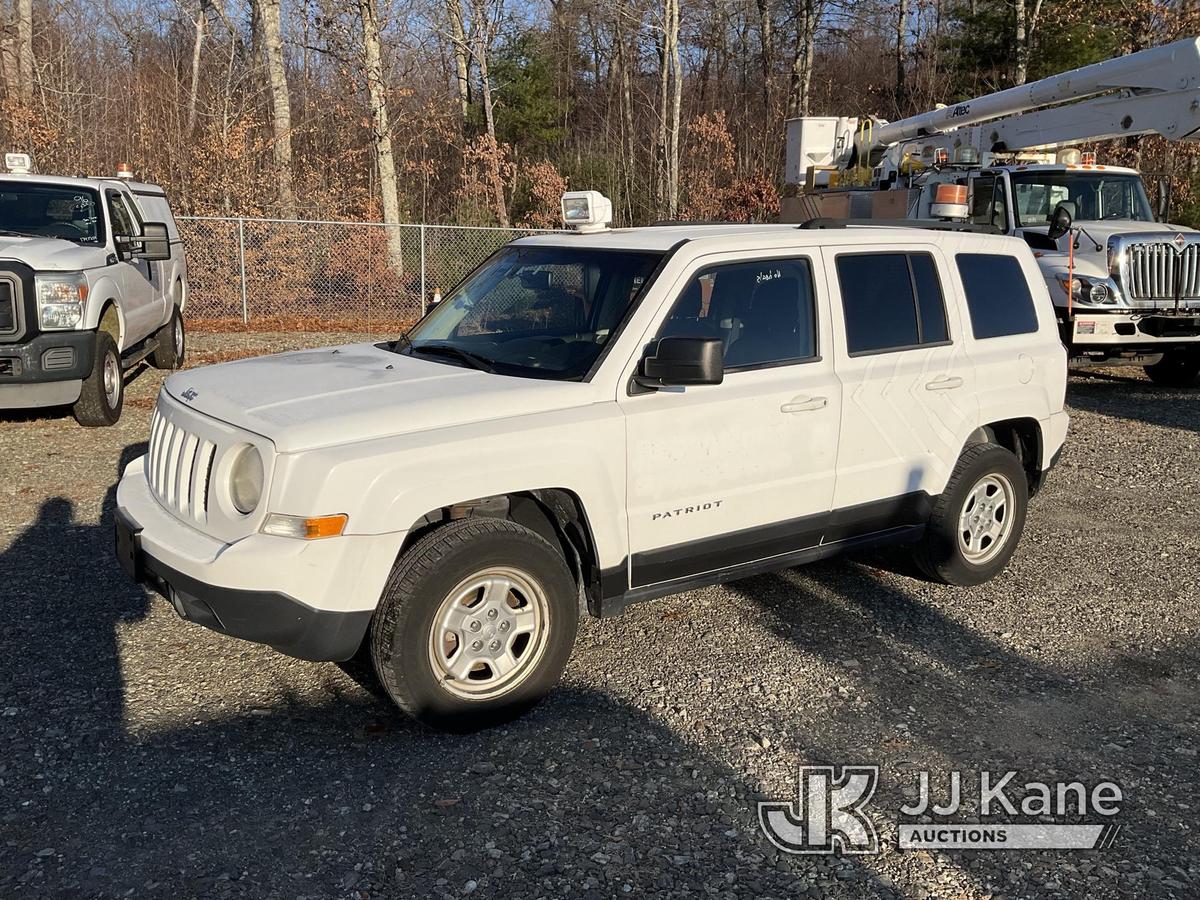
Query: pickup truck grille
point(1151, 271)
point(8, 309)
point(178, 468)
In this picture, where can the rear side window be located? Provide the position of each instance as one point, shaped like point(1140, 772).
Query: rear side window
point(998, 295)
point(891, 301)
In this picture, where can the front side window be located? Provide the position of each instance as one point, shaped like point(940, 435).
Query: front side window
point(122, 222)
point(998, 295)
point(891, 301)
point(30, 209)
point(1091, 196)
point(988, 203)
point(538, 312)
point(763, 312)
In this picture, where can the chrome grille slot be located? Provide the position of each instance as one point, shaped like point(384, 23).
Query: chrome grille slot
point(1151, 270)
point(177, 468)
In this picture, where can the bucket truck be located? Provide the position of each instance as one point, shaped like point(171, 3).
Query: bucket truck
point(1125, 283)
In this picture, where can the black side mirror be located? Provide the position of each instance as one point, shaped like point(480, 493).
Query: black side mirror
point(1163, 211)
point(1060, 222)
point(681, 361)
point(155, 242)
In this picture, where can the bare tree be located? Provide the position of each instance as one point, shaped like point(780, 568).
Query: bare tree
point(17, 50)
point(1026, 28)
point(808, 16)
point(670, 89)
point(197, 48)
point(462, 55)
point(485, 23)
point(270, 41)
point(381, 131)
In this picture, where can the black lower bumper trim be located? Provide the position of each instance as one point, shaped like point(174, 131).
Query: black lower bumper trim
point(265, 617)
point(70, 353)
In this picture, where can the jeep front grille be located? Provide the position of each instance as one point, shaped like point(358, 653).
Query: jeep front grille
point(178, 468)
point(1151, 270)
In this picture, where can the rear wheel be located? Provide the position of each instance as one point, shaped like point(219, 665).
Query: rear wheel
point(170, 343)
point(977, 521)
point(1177, 368)
point(102, 395)
point(476, 624)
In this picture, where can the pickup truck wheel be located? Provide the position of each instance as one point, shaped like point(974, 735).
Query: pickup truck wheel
point(977, 521)
point(170, 343)
point(476, 624)
point(1178, 368)
point(103, 393)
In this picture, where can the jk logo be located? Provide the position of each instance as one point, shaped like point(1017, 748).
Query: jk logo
point(828, 813)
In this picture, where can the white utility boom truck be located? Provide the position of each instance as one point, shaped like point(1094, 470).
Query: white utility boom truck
point(1125, 284)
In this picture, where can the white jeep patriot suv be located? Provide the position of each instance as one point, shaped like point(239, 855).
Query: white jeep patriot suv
point(92, 281)
point(593, 419)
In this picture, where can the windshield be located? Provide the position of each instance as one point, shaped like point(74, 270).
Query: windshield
point(46, 210)
point(1096, 196)
point(540, 312)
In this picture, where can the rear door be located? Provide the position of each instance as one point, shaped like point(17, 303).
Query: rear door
point(908, 383)
point(724, 475)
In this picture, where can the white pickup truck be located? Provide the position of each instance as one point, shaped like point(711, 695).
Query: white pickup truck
point(594, 419)
point(93, 280)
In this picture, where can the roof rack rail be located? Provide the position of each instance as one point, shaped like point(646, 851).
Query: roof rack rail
point(930, 224)
point(668, 223)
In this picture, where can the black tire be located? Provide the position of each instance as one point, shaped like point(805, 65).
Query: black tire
point(940, 553)
point(170, 343)
point(1178, 368)
point(425, 576)
point(100, 402)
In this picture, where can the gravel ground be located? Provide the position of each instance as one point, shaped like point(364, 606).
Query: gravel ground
point(143, 756)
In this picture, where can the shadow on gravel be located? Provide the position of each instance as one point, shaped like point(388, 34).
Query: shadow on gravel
point(920, 690)
point(337, 798)
point(1130, 398)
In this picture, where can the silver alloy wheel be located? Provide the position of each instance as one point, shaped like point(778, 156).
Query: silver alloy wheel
point(489, 633)
point(178, 329)
point(112, 379)
point(985, 522)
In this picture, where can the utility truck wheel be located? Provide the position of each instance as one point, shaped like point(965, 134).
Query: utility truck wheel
point(1177, 368)
point(103, 393)
point(170, 343)
point(476, 624)
point(977, 521)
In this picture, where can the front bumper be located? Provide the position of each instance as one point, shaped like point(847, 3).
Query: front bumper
point(1148, 331)
point(308, 599)
point(47, 370)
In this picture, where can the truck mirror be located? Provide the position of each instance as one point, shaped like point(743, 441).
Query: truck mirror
point(1163, 206)
point(1060, 222)
point(155, 242)
point(680, 361)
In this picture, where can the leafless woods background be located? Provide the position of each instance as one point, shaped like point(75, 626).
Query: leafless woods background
point(483, 111)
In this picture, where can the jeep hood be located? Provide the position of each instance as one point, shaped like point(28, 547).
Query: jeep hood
point(51, 254)
point(357, 392)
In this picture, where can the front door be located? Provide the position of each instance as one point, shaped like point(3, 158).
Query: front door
point(141, 300)
point(724, 475)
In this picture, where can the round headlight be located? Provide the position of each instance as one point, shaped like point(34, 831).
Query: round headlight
point(246, 479)
point(1099, 292)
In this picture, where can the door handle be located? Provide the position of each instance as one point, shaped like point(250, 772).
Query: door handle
point(944, 383)
point(804, 404)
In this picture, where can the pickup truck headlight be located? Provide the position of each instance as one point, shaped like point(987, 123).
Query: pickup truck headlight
point(246, 479)
point(60, 299)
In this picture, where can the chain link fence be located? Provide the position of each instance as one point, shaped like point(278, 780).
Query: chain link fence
point(312, 276)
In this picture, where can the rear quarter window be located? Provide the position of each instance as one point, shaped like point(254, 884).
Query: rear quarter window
point(998, 296)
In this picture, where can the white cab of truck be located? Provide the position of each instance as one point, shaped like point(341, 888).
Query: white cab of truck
point(93, 280)
point(596, 418)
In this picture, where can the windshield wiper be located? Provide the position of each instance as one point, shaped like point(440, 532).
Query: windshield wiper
point(398, 344)
point(474, 360)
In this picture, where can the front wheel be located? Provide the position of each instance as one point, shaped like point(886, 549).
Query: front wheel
point(977, 521)
point(476, 624)
point(102, 396)
point(1178, 368)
